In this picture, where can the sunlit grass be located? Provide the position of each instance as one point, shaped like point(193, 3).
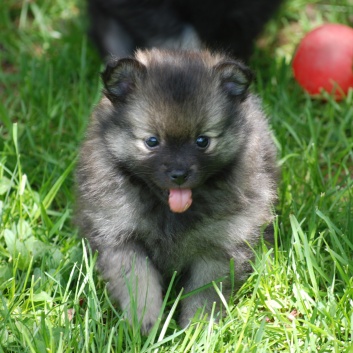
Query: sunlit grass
point(299, 297)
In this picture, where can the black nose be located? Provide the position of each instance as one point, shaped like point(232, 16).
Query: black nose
point(178, 176)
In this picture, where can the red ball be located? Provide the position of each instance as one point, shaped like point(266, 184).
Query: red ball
point(324, 60)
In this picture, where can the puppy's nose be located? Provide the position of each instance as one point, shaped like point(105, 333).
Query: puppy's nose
point(178, 176)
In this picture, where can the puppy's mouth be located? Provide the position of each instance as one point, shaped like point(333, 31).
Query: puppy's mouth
point(179, 200)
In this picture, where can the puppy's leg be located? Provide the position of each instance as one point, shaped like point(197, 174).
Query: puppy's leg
point(134, 282)
point(204, 271)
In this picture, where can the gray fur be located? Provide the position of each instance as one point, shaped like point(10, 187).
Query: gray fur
point(122, 184)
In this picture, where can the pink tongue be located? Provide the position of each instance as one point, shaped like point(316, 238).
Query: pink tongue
point(179, 200)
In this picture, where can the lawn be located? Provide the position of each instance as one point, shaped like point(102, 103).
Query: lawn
point(300, 295)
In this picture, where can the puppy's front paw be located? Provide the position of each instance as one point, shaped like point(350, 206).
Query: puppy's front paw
point(150, 314)
point(134, 282)
point(143, 308)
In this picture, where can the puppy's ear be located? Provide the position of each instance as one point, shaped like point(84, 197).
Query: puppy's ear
point(120, 78)
point(235, 77)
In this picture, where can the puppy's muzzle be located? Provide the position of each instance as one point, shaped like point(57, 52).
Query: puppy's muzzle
point(178, 176)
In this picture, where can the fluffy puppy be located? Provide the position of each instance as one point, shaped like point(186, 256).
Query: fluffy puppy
point(177, 173)
point(118, 27)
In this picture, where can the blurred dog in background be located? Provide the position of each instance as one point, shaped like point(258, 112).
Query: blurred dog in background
point(119, 27)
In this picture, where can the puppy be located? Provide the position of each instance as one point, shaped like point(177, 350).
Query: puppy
point(177, 173)
point(118, 27)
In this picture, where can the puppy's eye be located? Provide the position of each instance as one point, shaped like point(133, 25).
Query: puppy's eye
point(202, 142)
point(152, 142)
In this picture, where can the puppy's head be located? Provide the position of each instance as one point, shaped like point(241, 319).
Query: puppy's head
point(176, 118)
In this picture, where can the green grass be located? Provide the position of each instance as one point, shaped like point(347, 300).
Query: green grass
point(299, 298)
